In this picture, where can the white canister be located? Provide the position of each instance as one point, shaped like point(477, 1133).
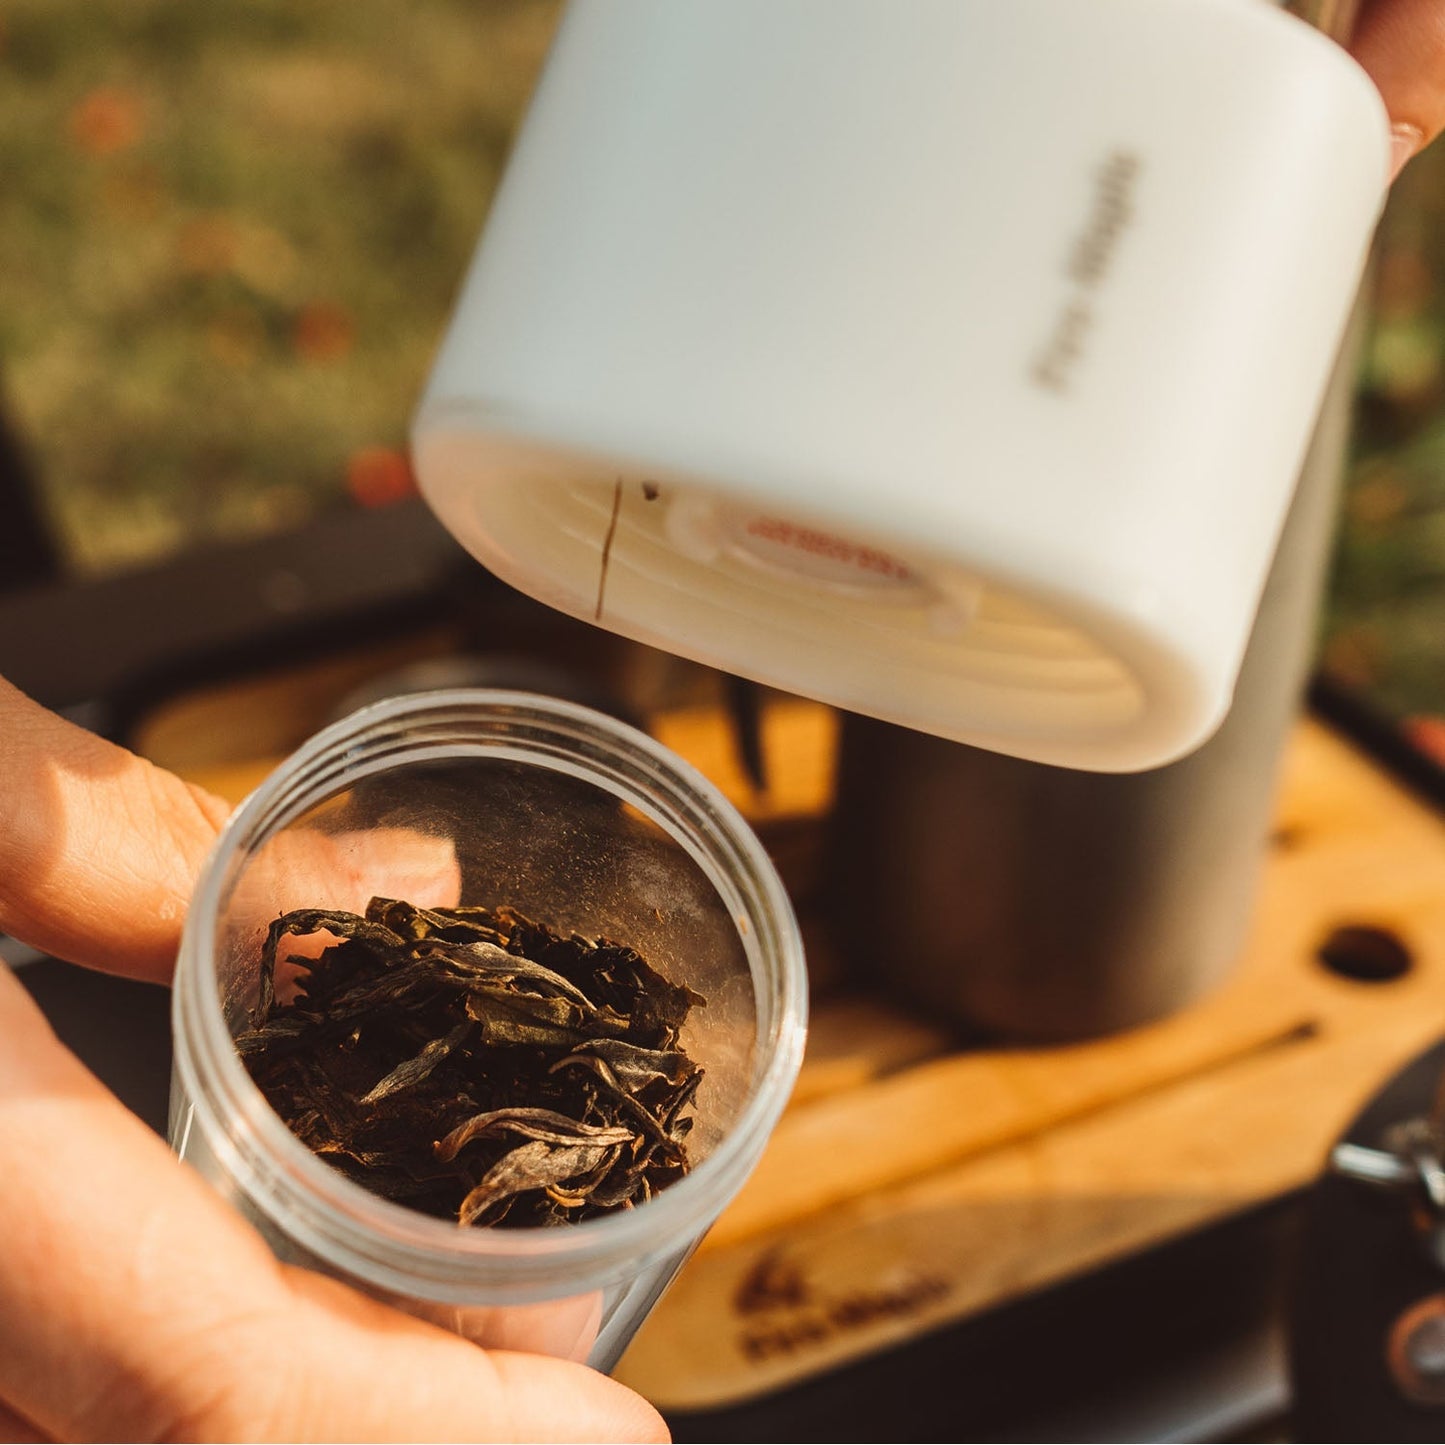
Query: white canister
point(951, 361)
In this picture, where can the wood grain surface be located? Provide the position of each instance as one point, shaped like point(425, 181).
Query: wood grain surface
point(906, 1189)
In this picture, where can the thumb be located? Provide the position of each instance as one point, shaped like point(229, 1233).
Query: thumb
point(1401, 43)
point(390, 1377)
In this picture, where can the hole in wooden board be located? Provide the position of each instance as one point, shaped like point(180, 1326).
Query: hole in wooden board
point(1366, 954)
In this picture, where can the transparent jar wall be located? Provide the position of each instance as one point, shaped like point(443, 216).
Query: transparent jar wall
point(592, 1325)
point(440, 820)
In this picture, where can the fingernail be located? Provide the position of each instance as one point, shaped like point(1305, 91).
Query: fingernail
point(1405, 140)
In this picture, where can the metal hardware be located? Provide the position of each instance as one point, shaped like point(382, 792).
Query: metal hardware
point(1410, 1162)
point(1416, 1352)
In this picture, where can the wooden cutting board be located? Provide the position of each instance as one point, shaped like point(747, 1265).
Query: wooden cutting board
point(911, 1184)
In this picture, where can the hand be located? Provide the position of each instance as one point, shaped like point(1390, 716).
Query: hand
point(1401, 43)
point(134, 1304)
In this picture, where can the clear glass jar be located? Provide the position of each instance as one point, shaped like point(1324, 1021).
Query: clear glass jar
point(577, 821)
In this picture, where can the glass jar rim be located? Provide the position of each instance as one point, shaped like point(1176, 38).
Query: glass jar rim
point(399, 1248)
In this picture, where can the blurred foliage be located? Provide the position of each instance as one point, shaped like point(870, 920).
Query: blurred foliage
point(1385, 626)
point(229, 238)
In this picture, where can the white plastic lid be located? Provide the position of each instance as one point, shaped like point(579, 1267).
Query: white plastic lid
point(889, 357)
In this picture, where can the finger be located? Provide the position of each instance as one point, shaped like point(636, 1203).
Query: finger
point(549, 1393)
point(1401, 43)
point(99, 852)
point(306, 868)
point(98, 848)
point(439, 1387)
point(117, 1263)
point(135, 1305)
point(15, 1430)
point(554, 1400)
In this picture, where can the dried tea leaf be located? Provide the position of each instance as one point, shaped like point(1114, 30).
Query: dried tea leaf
point(302, 922)
point(276, 1033)
point(489, 961)
point(413, 923)
point(545, 1067)
point(414, 1070)
point(626, 1066)
point(531, 1166)
point(540, 1124)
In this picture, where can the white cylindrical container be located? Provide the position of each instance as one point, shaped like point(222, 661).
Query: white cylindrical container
point(577, 821)
point(951, 362)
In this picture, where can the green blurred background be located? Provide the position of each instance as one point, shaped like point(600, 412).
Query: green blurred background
point(229, 238)
point(1385, 623)
point(230, 235)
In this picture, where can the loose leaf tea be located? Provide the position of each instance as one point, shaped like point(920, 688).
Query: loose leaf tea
point(475, 1065)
